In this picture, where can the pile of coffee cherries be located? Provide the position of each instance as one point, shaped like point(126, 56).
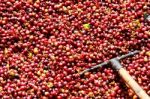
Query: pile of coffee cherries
point(45, 44)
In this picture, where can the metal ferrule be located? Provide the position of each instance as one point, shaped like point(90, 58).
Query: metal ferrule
point(115, 64)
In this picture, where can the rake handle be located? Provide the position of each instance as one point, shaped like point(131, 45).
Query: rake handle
point(133, 84)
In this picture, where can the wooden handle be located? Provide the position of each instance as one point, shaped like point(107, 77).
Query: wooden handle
point(133, 84)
